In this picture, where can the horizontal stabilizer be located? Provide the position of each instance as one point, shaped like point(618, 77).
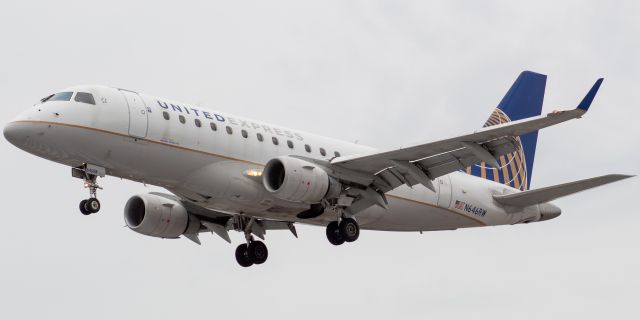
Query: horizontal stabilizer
point(542, 195)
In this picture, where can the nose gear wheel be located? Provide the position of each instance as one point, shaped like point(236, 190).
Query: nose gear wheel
point(92, 204)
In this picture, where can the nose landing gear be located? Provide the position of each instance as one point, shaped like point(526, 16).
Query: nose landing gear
point(91, 205)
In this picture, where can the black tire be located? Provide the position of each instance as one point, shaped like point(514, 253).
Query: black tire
point(83, 208)
point(349, 230)
point(92, 205)
point(333, 234)
point(242, 256)
point(257, 252)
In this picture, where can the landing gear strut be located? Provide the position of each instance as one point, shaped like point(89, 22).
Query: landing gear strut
point(346, 230)
point(91, 205)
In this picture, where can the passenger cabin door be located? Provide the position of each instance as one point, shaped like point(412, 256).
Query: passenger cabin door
point(137, 114)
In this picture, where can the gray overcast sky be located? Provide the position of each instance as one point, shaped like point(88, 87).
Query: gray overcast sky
point(385, 73)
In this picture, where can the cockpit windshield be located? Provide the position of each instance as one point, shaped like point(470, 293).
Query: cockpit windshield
point(83, 97)
point(60, 96)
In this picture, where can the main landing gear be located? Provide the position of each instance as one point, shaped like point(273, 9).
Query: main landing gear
point(347, 230)
point(91, 205)
point(253, 253)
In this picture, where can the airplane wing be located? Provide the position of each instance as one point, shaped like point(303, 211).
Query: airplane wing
point(424, 162)
point(220, 223)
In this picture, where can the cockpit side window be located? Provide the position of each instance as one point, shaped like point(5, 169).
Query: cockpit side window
point(60, 96)
point(85, 97)
point(43, 100)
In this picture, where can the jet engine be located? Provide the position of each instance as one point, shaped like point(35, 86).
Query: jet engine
point(157, 216)
point(297, 180)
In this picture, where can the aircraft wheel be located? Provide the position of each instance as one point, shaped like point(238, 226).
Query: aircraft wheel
point(349, 230)
point(242, 256)
point(92, 205)
point(83, 208)
point(257, 252)
point(333, 234)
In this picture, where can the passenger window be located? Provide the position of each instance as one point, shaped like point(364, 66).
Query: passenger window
point(307, 148)
point(323, 152)
point(260, 137)
point(274, 140)
point(84, 97)
point(165, 115)
point(337, 153)
point(245, 134)
point(214, 127)
point(290, 144)
point(61, 96)
point(182, 119)
point(198, 123)
point(229, 130)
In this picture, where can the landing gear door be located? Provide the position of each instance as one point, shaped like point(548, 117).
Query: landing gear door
point(137, 114)
point(444, 191)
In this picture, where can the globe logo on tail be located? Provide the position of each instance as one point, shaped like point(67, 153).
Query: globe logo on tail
point(513, 166)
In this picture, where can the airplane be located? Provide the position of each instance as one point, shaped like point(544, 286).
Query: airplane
point(229, 173)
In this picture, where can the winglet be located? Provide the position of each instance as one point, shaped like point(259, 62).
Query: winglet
point(586, 101)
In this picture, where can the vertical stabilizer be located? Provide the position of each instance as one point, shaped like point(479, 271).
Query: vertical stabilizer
point(523, 100)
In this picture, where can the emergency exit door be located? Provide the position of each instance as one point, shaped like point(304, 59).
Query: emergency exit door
point(137, 114)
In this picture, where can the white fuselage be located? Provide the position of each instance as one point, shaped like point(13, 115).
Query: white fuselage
point(127, 133)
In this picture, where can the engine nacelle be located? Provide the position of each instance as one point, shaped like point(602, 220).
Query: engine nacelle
point(157, 216)
point(297, 180)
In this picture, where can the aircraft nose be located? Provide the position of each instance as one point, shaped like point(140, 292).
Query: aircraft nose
point(15, 133)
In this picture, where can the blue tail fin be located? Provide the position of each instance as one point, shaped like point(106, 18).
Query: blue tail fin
point(523, 100)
